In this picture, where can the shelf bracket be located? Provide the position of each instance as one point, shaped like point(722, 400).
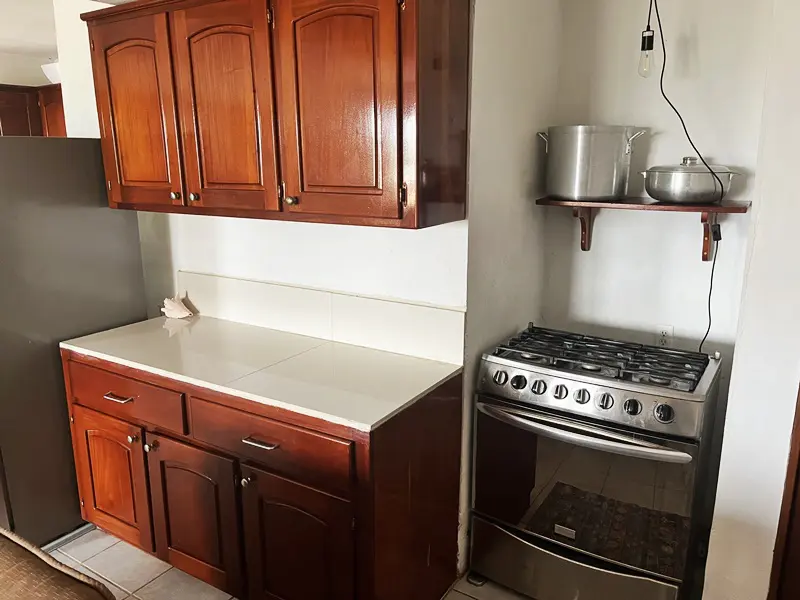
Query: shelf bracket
point(586, 217)
point(708, 220)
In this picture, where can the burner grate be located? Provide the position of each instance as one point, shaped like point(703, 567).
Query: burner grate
point(662, 367)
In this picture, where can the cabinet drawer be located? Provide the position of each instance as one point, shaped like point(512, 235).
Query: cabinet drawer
point(303, 455)
point(127, 398)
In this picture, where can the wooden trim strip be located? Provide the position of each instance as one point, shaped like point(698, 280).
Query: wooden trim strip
point(788, 510)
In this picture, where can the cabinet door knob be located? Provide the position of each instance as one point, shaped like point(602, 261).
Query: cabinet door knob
point(194, 197)
point(246, 481)
point(132, 439)
point(292, 201)
point(175, 196)
point(152, 447)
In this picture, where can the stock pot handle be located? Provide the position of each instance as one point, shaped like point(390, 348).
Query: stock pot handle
point(546, 141)
point(631, 139)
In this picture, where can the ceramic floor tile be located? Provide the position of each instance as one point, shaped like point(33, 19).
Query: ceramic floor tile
point(487, 591)
point(119, 594)
point(177, 585)
point(88, 545)
point(127, 567)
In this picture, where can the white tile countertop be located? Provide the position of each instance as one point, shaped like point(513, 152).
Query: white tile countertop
point(348, 385)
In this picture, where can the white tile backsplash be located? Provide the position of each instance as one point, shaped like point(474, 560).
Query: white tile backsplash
point(424, 331)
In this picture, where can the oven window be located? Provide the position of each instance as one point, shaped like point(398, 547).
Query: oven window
point(630, 511)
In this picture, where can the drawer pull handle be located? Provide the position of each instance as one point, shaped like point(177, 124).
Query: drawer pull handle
point(111, 397)
point(260, 445)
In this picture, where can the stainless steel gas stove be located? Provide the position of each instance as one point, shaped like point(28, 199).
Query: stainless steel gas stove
point(595, 467)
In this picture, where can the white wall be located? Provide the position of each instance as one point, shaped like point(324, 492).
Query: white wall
point(74, 55)
point(645, 270)
point(27, 41)
point(513, 97)
point(766, 370)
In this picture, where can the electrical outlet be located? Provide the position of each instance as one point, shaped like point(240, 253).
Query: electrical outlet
point(664, 336)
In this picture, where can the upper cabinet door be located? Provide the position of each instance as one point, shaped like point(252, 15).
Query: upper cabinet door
point(224, 75)
point(133, 80)
point(338, 106)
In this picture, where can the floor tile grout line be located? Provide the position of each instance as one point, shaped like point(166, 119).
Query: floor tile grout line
point(151, 581)
point(88, 557)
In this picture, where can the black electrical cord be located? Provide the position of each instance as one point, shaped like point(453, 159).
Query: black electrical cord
point(699, 154)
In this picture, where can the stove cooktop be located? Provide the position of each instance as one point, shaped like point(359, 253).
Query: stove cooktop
point(626, 361)
point(660, 390)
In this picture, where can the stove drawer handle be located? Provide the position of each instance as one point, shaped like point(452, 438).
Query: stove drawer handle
point(587, 441)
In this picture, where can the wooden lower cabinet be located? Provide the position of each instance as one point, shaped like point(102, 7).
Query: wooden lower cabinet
point(195, 515)
point(264, 503)
point(112, 479)
point(299, 541)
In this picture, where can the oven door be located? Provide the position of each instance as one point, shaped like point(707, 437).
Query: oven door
point(612, 496)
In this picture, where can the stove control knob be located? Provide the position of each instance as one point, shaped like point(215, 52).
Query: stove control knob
point(519, 382)
point(539, 387)
point(501, 378)
point(560, 392)
point(633, 407)
point(665, 413)
point(605, 402)
point(582, 396)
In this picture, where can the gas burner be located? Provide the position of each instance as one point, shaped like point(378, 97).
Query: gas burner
point(662, 367)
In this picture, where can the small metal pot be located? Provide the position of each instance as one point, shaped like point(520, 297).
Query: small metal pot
point(688, 183)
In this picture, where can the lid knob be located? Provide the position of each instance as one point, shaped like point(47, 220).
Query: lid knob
point(690, 161)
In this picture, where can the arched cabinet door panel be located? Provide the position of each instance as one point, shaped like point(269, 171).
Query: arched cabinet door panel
point(136, 107)
point(299, 541)
point(223, 70)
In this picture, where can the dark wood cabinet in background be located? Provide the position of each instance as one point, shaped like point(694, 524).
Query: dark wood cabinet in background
point(195, 511)
point(265, 503)
point(363, 120)
point(112, 479)
point(51, 108)
point(284, 520)
point(19, 111)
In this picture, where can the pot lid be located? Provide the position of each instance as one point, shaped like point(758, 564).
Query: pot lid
point(690, 164)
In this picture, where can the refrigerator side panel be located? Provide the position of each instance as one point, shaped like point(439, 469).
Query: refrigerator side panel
point(69, 266)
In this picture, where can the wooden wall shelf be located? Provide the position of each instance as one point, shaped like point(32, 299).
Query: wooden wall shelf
point(585, 213)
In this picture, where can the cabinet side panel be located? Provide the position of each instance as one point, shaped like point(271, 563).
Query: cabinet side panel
point(442, 111)
point(416, 468)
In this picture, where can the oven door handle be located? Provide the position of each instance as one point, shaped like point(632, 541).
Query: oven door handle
point(631, 448)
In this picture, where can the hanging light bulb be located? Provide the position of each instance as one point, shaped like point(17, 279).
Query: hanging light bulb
point(646, 58)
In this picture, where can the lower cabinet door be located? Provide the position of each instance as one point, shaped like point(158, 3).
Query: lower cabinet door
point(195, 517)
point(299, 541)
point(112, 478)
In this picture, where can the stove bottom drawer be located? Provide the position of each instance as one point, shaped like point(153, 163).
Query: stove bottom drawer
point(511, 561)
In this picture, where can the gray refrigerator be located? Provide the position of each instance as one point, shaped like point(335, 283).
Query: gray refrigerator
point(69, 266)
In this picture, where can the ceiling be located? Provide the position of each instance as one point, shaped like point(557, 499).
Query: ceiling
point(28, 27)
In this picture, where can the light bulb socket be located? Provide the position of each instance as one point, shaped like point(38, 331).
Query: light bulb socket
point(648, 40)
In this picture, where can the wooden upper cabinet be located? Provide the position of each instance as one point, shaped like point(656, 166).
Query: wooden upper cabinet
point(339, 102)
point(135, 100)
point(332, 111)
point(223, 69)
point(112, 479)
